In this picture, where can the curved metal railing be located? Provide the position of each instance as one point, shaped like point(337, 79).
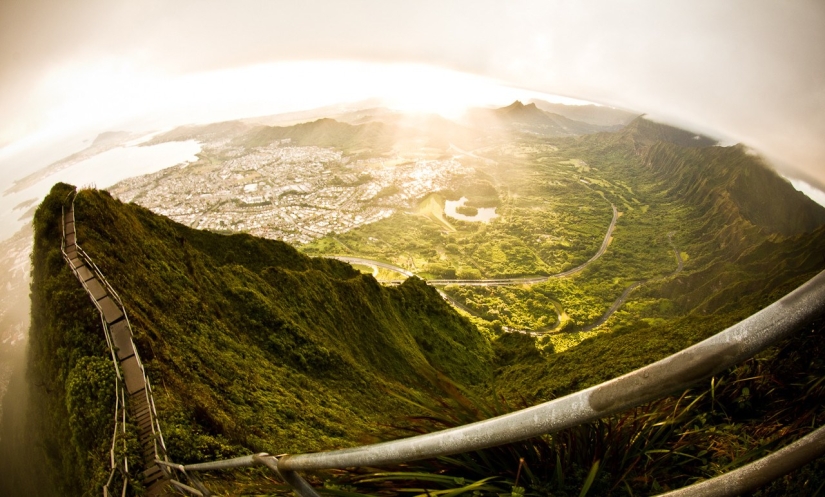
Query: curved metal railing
point(707, 358)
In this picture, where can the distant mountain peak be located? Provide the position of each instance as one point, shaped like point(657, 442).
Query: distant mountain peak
point(518, 105)
point(517, 111)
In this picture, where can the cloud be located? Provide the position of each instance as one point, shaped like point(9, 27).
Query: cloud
point(753, 71)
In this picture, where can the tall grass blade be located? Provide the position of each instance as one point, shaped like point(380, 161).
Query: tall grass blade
point(590, 477)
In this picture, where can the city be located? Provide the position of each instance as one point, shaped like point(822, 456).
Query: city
point(295, 194)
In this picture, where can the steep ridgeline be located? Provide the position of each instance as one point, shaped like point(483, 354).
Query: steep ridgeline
point(745, 235)
point(728, 180)
point(251, 346)
point(753, 229)
point(371, 137)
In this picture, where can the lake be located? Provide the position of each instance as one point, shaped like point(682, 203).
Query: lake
point(485, 214)
point(102, 170)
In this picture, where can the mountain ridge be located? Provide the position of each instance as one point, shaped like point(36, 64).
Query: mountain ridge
point(251, 345)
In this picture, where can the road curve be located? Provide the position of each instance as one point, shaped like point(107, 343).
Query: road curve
point(530, 280)
point(680, 264)
point(370, 262)
point(526, 280)
point(598, 254)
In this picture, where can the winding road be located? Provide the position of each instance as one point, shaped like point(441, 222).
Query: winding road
point(372, 263)
point(525, 280)
point(529, 280)
point(621, 300)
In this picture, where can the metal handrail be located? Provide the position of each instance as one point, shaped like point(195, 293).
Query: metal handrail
point(707, 358)
point(752, 476)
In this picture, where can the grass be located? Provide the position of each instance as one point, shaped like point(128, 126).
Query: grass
point(724, 423)
point(251, 346)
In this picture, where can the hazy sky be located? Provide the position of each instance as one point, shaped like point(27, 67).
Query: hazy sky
point(751, 70)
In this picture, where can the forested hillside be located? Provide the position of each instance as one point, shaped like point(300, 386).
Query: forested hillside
point(251, 346)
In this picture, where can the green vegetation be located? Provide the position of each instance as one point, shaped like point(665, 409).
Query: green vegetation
point(728, 421)
point(467, 211)
point(253, 346)
point(673, 193)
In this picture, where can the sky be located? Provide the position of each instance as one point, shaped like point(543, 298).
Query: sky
point(750, 71)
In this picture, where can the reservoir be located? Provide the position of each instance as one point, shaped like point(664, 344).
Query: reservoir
point(484, 215)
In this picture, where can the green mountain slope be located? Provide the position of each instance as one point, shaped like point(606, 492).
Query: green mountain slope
point(751, 238)
point(251, 346)
point(729, 178)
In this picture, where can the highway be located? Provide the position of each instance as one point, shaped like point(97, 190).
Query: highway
point(524, 280)
point(618, 303)
point(372, 263)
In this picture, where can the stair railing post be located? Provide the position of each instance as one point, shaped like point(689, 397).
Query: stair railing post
point(291, 478)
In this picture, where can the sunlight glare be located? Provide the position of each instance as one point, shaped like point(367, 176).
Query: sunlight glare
point(117, 95)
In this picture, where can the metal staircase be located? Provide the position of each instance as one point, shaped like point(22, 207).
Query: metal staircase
point(133, 390)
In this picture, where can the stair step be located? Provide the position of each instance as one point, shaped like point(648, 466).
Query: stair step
point(83, 273)
point(152, 475)
point(154, 469)
point(139, 397)
point(93, 285)
point(142, 413)
point(142, 419)
point(149, 456)
point(122, 338)
point(160, 487)
point(132, 374)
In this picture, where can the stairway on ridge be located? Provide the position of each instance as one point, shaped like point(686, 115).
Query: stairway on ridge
point(139, 408)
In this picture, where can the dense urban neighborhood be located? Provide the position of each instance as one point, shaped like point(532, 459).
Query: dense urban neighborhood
point(295, 194)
